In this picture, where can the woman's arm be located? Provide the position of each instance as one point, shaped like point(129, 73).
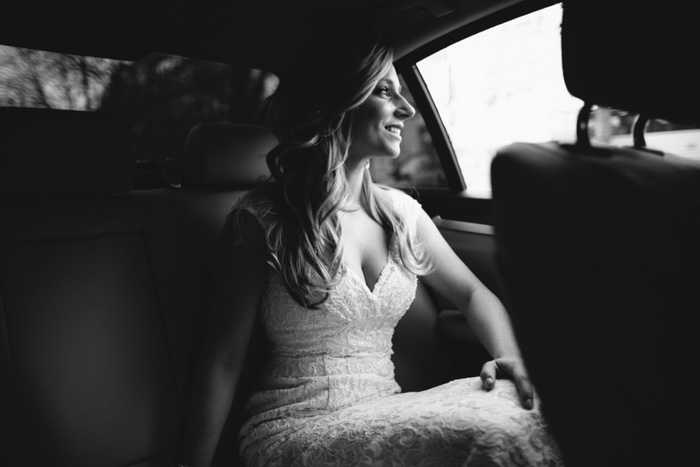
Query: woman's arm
point(484, 313)
point(239, 279)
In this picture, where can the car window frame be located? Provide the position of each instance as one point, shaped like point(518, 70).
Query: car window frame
point(407, 67)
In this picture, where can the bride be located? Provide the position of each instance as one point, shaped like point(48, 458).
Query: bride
point(328, 262)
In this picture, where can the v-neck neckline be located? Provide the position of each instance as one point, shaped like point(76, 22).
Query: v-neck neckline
point(362, 280)
point(360, 276)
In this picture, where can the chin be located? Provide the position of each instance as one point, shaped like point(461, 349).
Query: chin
point(392, 153)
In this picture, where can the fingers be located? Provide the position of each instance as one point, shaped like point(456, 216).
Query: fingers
point(488, 375)
point(524, 387)
point(510, 368)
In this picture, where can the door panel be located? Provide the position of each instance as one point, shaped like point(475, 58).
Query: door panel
point(432, 342)
point(475, 244)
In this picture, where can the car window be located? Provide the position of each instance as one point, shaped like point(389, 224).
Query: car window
point(612, 126)
point(505, 84)
point(164, 96)
point(161, 96)
point(502, 85)
point(36, 78)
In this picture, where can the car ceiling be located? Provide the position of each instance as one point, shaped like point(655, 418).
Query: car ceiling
point(257, 33)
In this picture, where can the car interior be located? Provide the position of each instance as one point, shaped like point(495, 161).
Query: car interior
point(580, 210)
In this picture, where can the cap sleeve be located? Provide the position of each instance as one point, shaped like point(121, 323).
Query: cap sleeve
point(407, 207)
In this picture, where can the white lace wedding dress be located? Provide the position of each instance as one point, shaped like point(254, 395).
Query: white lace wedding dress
point(328, 395)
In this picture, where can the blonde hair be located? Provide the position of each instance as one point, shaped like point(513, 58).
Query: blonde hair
point(312, 114)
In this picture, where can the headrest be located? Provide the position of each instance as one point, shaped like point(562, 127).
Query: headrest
point(641, 56)
point(223, 154)
point(60, 152)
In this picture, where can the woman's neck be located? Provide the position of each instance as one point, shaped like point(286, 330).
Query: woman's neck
point(356, 174)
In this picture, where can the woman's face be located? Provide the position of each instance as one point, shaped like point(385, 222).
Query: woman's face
point(379, 120)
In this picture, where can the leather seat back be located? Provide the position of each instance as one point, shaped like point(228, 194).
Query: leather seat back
point(88, 373)
point(221, 163)
point(598, 245)
point(601, 264)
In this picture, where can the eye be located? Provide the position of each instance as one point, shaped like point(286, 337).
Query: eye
point(384, 91)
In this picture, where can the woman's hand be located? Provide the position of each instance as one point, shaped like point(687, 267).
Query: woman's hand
point(511, 368)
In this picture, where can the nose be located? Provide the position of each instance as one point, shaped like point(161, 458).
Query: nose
point(404, 110)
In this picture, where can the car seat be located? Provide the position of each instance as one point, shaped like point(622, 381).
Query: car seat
point(598, 245)
point(89, 281)
point(220, 164)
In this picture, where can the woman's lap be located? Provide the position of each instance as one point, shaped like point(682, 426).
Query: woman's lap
point(456, 424)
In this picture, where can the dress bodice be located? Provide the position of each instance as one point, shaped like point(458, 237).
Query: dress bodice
point(339, 354)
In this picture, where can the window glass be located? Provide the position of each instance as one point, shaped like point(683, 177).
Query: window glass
point(506, 84)
point(612, 126)
point(161, 96)
point(164, 96)
point(35, 78)
point(502, 85)
point(418, 164)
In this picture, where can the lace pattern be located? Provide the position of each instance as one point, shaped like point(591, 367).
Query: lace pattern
point(328, 395)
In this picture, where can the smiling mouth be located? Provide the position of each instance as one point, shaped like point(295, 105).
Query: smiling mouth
point(393, 129)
